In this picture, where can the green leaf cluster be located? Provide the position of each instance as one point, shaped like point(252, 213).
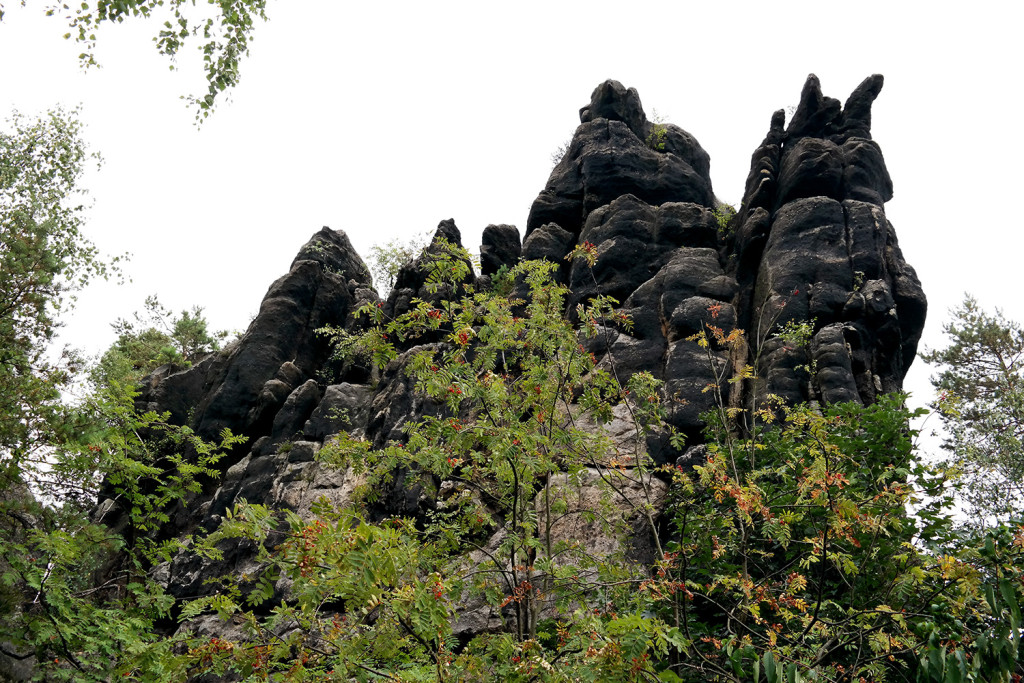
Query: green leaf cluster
point(79, 595)
point(153, 339)
point(222, 28)
point(81, 582)
point(980, 387)
point(45, 259)
point(387, 259)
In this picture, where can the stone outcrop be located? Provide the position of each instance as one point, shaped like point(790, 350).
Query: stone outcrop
point(245, 387)
point(616, 151)
point(809, 244)
point(500, 246)
point(812, 243)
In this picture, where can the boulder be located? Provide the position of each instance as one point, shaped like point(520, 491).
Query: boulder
point(614, 152)
point(499, 247)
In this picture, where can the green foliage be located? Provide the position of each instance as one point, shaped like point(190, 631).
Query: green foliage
point(505, 460)
point(223, 28)
point(797, 333)
point(798, 544)
point(87, 602)
point(386, 260)
point(45, 259)
point(790, 554)
point(656, 138)
point(794, 552)
point(981, 402)
point(724, 216)
point(156, 338)
point(75, 597)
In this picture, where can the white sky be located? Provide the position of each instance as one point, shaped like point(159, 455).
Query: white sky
point(383, 118)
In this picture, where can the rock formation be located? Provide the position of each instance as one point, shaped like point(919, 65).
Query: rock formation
point(810, 242)
point(813, 243)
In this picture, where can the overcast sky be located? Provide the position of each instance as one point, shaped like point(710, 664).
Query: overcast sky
point(383, 118)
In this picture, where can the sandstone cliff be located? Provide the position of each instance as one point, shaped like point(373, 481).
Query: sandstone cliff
point(810, 242)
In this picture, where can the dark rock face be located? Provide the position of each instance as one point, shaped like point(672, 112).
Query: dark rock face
point(548, 242)
point(810, 245)
point(617, 151)
point(342, 408)
point(244, 388)
point(410, 282)
point(635, 241)
point(813, 243)
point(499, 246)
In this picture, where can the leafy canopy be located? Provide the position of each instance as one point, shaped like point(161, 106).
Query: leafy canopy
point(77, 594)
point(981, 402)
point(155, 338)
point(45, 259)
point(221, 29)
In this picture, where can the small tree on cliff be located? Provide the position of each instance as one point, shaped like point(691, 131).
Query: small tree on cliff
point(155, 338)
point(387, 259)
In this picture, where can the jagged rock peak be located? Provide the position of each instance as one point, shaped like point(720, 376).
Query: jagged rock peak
point(857, 110)
point(333, 250)
point(812, 243)
point(500, 246)
point(448, 230)
point(411, 280)
point(820, 116)
point(826, 150)
point(615, 152)
point(243, 387)
point(613, 101)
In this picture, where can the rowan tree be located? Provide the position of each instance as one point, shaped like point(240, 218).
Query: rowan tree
point(790, 554)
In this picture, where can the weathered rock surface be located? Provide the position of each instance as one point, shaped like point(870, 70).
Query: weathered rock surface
point(499, 246)
point(410, 282)
point(244, 388)
point(617, 151)
point(810, 244)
